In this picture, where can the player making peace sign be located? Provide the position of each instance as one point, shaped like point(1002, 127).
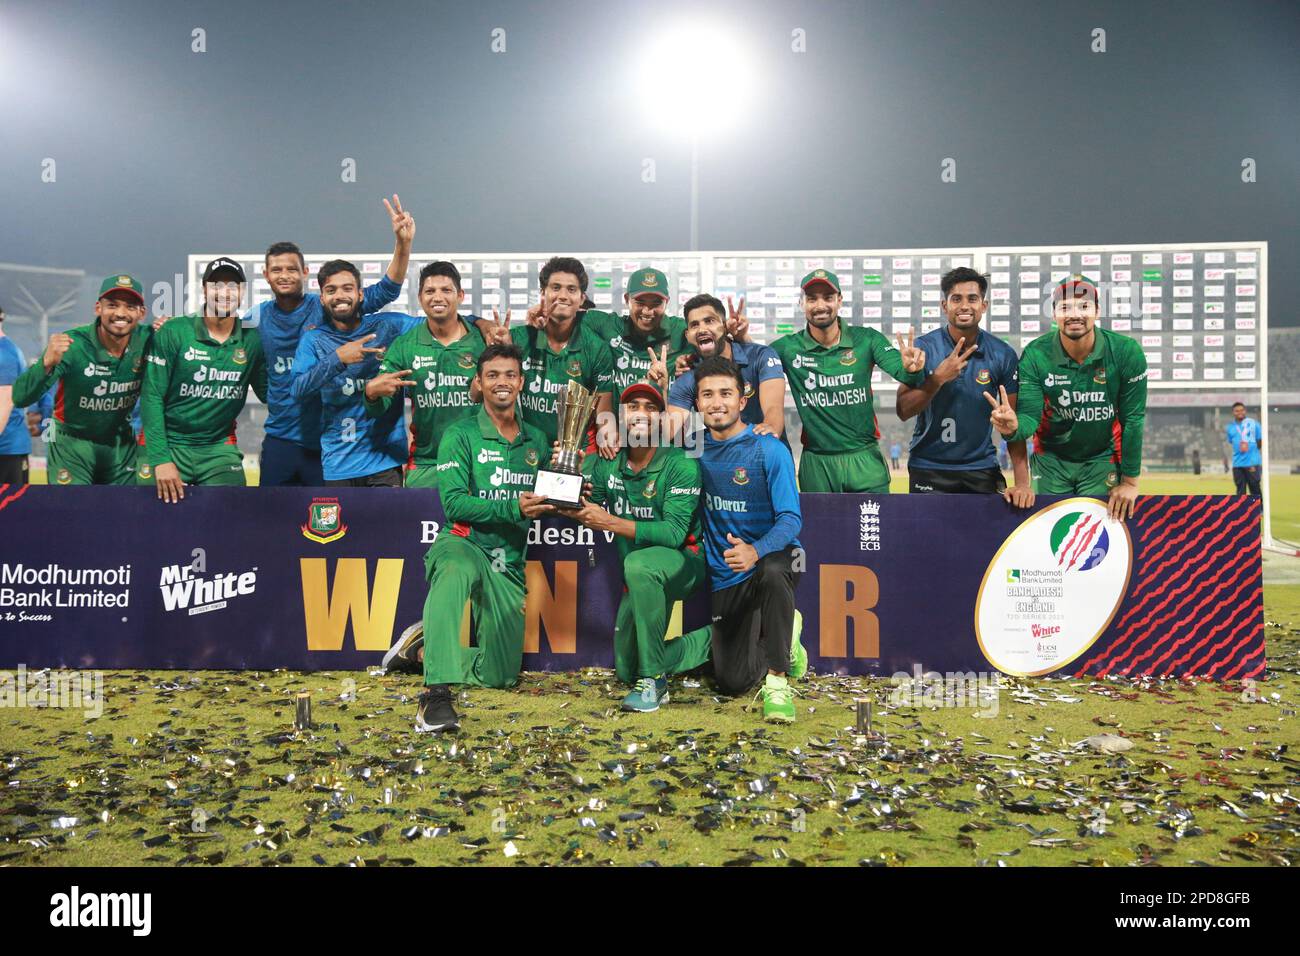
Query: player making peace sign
point(952, 449)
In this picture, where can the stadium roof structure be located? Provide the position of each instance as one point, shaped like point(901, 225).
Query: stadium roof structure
point(33, 295)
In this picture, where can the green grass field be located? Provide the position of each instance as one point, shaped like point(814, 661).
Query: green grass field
point(203, 768)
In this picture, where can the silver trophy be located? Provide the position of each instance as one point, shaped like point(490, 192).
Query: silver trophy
point(561, 482)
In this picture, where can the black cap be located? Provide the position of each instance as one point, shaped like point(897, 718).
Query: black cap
point(222, 264)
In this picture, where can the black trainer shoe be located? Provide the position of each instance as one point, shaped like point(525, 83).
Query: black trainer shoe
point(403, 656)
point(435, 713)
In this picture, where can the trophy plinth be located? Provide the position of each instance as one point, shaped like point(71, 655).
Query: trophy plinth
point(561, 482)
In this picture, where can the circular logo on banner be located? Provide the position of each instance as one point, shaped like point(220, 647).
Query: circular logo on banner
point(1052, 588)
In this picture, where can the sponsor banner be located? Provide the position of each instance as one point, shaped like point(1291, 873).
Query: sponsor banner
point(284, 577)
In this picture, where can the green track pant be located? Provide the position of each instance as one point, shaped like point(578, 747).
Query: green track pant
point(219, 464)
point(458, 571)
point(78, 461)
point(1056, 476)
point(861, 471)
point(656, 578)
point(421, 476)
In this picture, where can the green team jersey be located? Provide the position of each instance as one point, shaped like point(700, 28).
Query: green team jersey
point(1083, 411)
point(480, 478)
point(663, 498)
point(195, 387)
point(442, 373)
point(585, 358)
point(832, 386)
point(629, 346)
point(97, 390)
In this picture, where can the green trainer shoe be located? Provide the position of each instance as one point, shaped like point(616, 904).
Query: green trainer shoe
point(778, 700)
point(647, 695)
point(798, 655)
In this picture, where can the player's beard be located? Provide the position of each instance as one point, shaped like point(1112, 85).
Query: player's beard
point(1074, 332)
point(350, 319)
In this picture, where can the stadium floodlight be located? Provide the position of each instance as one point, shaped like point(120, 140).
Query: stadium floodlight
point(695, 77)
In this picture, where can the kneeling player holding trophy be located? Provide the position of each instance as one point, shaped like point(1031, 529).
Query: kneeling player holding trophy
point(487, 466)
point(653, 492)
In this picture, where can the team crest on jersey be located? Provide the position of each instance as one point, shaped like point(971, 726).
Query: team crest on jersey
point(530, 457)
point(1112, 480)
point(240, 356)
point(847, 357)
point(649, 490)
point(135, 366)
point(64, 477)
point(749, 390)
point(983, 376)
point(1100, 376)
point(741, 477)
point(145, 472)
point(575, 369)
point(465, 360)
point(324, 521)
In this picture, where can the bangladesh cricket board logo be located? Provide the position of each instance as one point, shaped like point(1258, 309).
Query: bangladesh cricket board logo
point(465, 360)
point(741, 477)
point(1053, 588)
point(983, 376)
point(324, 521)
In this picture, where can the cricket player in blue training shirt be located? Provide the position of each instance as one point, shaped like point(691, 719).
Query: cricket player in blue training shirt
point(291, 446)
point(334, 360)
point(751, 521)
point(15, 439)
point(952, 449)
point(707, 332)
point(1245, 436)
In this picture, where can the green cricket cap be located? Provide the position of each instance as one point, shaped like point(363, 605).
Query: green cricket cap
point(1075, 286)
point(122, 283)
point(645, 281)
point(821, 275)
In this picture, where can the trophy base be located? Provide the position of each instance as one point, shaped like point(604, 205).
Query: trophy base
point(559, 488)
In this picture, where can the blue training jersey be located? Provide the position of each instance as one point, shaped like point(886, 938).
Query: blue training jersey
point(281, 331)
point(14, 437)
point(757, 364)
point(1247, 430)
point(750, 492)
point(953, 432)
point(352, 444)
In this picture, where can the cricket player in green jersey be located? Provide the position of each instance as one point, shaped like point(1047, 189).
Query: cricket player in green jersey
point(487, 466)
point(828, 366)
point(197, 375)
point(652, 493)
point(645, 343)
point(1083, 396)
point(565, 350)
point(436, 362)
point(99, 369)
